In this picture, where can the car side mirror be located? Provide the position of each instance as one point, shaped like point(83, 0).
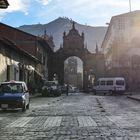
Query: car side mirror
point(26, 91)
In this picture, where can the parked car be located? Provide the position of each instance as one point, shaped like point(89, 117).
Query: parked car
point(51, 88)
point(73, 89)
point(14, 94)
point(64, 89)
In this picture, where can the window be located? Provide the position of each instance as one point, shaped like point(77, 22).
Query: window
point(121, 24)
point(44, 58)
point(119, 82)
point(8, 72)
point(102, 83)
point(109, 82)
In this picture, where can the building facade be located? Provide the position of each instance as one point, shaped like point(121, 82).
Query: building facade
point(15, 63)
point(22, 51)
point(121, 47)
point(36, 46)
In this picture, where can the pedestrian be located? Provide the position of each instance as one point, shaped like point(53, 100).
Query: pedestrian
point(67, 90)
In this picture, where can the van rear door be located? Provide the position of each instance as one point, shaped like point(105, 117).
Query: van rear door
point(120, 85)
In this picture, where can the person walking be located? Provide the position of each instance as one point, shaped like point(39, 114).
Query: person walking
point(67, 90)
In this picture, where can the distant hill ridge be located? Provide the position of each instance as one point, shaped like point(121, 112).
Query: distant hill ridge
point(56, 28)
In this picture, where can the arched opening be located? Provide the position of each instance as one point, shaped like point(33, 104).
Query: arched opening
point(92, 64)
point(73, 72)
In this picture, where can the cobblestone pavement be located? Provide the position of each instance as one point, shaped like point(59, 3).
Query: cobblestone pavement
point(75, 117)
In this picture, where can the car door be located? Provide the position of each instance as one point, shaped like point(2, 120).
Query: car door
point(109, 85)
point(100, 86)
point(26, 93)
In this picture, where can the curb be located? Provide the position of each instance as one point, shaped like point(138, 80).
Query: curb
point(134, 98)
point(35, 95)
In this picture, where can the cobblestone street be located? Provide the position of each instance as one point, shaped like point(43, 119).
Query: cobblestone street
point(78, 116)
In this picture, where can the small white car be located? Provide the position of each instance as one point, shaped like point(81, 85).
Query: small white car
point(51, 88)
point(72, 89)
point(14, 94)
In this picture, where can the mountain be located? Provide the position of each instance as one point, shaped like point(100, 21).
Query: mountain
point(56, 28)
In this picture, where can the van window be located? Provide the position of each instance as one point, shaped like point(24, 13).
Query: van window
point(102, 83)
point(97, 83)
point(119, 82)
point(109, 82)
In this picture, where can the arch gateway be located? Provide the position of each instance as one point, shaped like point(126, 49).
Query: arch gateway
point(73, 45)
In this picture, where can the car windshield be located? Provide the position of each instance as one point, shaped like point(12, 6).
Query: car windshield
point(11, 88)
point(49, 84)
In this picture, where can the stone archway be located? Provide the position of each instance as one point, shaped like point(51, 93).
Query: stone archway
point(73, 45)
point(73, 72)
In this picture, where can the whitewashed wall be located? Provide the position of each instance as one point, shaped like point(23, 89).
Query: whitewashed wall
point(14, 70)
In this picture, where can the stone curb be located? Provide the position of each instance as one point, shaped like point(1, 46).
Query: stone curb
point(134, 98)
point(35, 95)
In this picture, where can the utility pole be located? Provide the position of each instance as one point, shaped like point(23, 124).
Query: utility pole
point(129, 5)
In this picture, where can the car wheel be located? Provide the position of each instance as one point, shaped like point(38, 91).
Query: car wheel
point(95, 92)
point(28, 105)
point(24, 107)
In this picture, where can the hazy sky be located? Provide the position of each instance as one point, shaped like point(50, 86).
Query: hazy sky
point(90, 12)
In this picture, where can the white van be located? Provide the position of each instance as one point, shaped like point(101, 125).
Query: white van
point(110, 85)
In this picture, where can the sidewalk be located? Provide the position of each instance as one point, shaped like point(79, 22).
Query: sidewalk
point(35, 95)
point(134, 96)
